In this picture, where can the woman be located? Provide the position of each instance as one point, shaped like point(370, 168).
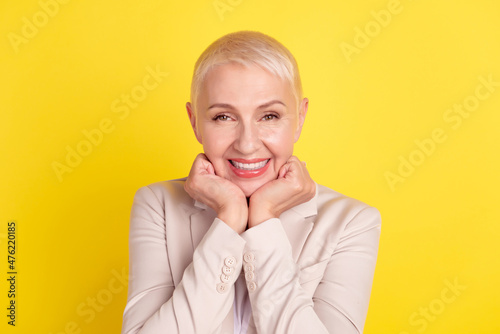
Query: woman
point(248, 242)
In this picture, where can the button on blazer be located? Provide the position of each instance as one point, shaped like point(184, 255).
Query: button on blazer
point(310, 271)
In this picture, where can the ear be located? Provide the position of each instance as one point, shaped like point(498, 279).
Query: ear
point(304, 105)
point(192, 120)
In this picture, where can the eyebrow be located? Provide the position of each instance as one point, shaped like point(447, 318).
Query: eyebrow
point(228, 106)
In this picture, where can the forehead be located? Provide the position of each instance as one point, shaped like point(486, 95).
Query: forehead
point(246, 84)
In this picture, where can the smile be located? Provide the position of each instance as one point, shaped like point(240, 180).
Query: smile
point(249, 168)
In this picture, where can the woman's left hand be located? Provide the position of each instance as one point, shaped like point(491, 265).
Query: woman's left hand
point(293, 186)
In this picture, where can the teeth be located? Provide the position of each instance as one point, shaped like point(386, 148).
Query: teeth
point(252, 166)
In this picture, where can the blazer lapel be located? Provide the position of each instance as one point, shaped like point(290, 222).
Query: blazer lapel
point(298, 223)
point(178, 232)
point(200, 222)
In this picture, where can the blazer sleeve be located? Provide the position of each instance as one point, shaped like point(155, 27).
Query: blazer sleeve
point(201, 301)
point(340, 302)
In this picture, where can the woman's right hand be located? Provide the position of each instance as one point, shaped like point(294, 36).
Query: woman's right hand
point(223, 196)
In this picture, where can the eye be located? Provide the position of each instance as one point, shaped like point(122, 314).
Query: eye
point(270, 117)
point(221, 117)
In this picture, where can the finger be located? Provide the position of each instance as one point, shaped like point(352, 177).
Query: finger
point(290, 167)
point(294, 158)
point(198, 162)
point(297, 170)
point(203, 165)
point(284, 170)
point(294, 164)
point(210, 167)
point(206, 168)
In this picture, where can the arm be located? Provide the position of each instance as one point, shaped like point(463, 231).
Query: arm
point(340, 302)
point(342, 297)
point(196, 305)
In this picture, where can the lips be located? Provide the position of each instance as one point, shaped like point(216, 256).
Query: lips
point(249, 168)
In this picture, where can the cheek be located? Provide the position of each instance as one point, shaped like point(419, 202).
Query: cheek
point(215, 144)
point(280, 143)
point(213, 141)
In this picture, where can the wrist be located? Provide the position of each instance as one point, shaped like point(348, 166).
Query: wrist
point(259, 213)
point(236, 216)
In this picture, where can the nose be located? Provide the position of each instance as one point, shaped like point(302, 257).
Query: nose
point(247, 138)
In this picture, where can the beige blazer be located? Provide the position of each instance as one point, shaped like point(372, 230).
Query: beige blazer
point(310, 271)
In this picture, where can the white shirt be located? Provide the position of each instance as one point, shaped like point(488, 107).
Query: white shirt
point(242, 307)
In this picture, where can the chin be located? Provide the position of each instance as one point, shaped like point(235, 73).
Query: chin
point(248, 192)
point(249, 188)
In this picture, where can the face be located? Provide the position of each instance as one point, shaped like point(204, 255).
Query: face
point(247, 122)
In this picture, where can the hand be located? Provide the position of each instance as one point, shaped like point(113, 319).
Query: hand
point(292, 187)
point(223, 196)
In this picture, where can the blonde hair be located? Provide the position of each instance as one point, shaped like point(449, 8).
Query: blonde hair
point(247, 48)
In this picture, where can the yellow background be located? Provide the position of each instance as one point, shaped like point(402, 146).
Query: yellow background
point(440, 226)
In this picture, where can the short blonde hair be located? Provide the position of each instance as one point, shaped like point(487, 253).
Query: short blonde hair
point(247, 48)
